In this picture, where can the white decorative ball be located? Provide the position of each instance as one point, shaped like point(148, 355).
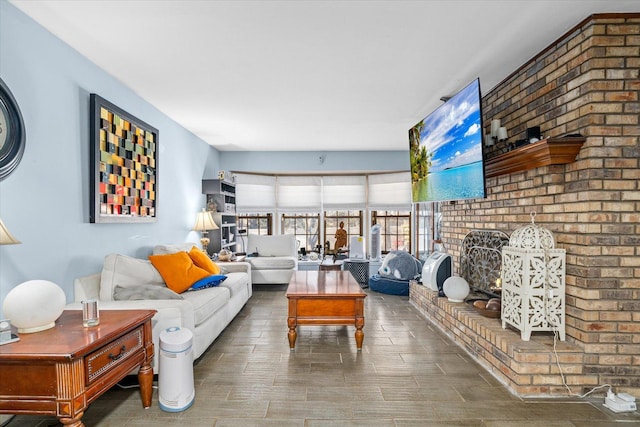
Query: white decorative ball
point(455, 288)
point(34, 305)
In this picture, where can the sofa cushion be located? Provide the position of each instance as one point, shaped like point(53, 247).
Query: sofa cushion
point(272, 263)
point(208, 282)
point(144, 292)
point(236, 282)
point(274, 245)
point(206, 302)
point(125, 271)
point(203, 261)
point(178, 270)
point(172, 249)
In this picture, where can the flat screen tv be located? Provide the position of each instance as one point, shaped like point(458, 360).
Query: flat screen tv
point(445, 150)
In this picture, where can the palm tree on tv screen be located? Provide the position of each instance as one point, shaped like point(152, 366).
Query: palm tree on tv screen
point(420, 157)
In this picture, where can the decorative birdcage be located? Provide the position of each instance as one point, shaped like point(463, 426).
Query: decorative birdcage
point(533, 282)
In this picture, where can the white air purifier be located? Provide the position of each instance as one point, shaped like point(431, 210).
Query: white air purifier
point(376, 251)
point(176, 390)
point(437, 268)
point(356, 248)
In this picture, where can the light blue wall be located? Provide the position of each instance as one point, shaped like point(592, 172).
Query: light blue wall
point(311, 162)
point(45, 201)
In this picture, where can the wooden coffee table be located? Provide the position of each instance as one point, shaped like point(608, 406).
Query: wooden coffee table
point(62, 370)
point(325, 298)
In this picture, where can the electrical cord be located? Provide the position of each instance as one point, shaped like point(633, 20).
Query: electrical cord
point(127, 387)
point(564, 381)
point(553, 320)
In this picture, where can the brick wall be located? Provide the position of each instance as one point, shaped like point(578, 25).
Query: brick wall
point(528, 368)
point(587, 82)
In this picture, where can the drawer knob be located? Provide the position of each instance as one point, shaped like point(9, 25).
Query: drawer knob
point(123, 349)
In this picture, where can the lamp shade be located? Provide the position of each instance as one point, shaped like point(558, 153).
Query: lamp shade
point(204, 222)
point(34, 305)
point(6, 238)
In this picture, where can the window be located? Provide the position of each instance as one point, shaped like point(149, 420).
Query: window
point(424, 216)
point(311, 207)
point(256, 223)
point(395, 229)
point(252, 223)
point(304, 227)
point(352, 224)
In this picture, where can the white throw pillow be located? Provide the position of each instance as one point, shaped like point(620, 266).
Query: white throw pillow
point(125, 271)
point(172, 249)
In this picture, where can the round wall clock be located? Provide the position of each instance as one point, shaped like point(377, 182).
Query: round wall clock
point(12, 135)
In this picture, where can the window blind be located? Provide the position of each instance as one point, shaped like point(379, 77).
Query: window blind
point(389, 191)
point(344, 192)
point(255, 193)
point(264, 193)
point(299, 193)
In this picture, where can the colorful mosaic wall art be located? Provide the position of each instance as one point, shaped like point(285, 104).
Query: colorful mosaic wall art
point(125, 165)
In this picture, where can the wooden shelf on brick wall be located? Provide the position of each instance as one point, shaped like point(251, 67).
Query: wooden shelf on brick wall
point(550, 151)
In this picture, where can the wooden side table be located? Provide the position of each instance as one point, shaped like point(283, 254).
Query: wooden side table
point(62, 370)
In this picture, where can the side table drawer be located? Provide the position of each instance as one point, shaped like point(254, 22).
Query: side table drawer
point(112, 354)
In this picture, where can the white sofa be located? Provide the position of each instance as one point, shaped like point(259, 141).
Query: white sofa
point(276, 260)
point(205, 312)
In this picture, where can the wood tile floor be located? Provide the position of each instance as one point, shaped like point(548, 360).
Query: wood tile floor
point(408, 374)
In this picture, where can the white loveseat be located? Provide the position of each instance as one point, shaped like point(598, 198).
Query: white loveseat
point(276, 260)
point(205, 312)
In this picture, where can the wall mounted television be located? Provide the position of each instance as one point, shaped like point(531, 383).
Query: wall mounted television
point(445, 150)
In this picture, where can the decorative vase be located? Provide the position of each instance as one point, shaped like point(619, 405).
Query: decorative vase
point(34, 305)
point(455, 288)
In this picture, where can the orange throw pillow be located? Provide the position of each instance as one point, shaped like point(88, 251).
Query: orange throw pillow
point(203, 261)
point(178, 270)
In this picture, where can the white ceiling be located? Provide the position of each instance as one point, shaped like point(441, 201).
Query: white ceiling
point(308, 75)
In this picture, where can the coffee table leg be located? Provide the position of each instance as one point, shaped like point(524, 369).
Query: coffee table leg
point(359, 333)
point(359, 322)
point(292, 332)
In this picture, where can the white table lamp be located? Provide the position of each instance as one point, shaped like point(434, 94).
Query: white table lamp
point(34, 306)
point(204, 223)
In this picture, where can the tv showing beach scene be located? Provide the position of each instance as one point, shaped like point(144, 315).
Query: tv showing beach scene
point(445, 150)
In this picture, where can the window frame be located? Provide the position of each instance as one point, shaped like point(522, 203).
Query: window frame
point(242, 221)
point(307, 217)
point(349, 217)
point(407, 237)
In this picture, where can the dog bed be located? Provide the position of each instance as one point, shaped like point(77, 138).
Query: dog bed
point(389, 286)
